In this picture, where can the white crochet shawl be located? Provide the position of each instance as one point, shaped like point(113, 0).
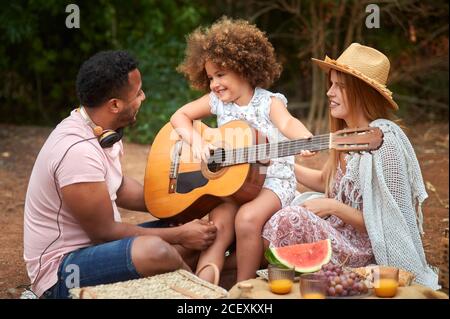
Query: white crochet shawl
point(392, 191)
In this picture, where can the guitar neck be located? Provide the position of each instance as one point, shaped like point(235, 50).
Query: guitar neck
point(264, 152)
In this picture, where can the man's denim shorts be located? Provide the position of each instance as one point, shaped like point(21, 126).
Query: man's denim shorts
point(99, 264)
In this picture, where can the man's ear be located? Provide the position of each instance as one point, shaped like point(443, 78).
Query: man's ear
point(114, 106)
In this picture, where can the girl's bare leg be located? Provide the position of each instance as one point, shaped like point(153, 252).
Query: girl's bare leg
point(223, 218)
point(249, 222)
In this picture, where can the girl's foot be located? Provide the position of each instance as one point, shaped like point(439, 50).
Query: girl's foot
point(211, 273)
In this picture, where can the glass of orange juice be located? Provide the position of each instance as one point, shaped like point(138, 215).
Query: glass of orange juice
point(280, 279)
point(385, 281)
point(313, 286)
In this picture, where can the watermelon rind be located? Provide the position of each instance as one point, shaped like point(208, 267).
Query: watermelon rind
point(272, 257)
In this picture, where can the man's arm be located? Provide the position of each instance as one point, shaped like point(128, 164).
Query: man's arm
point(130, 195)
point(91, 206)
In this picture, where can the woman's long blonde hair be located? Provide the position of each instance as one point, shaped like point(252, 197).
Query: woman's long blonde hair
point(359, 97)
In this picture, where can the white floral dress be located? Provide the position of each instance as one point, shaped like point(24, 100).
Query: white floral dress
point(280, 176)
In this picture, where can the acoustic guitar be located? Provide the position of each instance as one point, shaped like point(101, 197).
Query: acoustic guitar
point(180, 188)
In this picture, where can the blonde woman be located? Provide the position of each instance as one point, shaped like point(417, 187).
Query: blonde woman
point(371, 208)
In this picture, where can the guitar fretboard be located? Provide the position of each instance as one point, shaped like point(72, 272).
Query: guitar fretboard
point(264, 152)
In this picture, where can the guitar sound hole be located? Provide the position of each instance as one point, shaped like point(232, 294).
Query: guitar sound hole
point(216, 159)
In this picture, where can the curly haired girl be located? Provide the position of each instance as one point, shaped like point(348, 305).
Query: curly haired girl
point(236, 63)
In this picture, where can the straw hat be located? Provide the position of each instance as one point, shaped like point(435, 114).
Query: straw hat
point(365, 63)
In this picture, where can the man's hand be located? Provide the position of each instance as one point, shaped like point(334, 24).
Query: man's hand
point(197, 234)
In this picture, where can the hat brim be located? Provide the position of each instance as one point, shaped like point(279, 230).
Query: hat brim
point(326, 66)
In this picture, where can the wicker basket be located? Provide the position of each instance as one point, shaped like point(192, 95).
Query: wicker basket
point(179, 284)
point(405, 278)
point(443, 267)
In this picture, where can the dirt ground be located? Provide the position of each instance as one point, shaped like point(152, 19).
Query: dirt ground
point(19, 146)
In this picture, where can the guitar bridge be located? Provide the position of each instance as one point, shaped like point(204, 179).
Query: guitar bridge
point(172, 185)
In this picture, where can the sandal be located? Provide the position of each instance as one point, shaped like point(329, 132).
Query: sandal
point(216, 272)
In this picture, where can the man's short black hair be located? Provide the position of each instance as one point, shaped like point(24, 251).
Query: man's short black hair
point(104, 76)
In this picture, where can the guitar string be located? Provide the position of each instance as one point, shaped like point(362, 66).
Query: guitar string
point(240, 154)
point(274, 152)
point(254, 152)
point(261, 150)
point(237, 156)
point(253, 157)
point(284, 145)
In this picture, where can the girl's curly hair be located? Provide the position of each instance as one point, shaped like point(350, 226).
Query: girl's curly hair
point(234, 45)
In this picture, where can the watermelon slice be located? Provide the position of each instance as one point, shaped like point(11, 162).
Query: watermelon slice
point(304, 257)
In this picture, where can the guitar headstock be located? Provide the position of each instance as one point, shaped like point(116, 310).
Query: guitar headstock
point(357, 140)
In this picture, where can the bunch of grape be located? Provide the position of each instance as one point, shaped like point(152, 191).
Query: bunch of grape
point(342, 282)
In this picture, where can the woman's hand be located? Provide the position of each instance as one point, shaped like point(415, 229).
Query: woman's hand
point(322, 207)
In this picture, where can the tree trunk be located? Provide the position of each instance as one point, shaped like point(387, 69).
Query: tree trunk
point(316, 114)
point(40, 104)
point(315, 72)
point(353, 22)
point(337, 30)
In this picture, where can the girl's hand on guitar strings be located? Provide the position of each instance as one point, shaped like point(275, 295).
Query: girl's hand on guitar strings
point(306, 153)
point(201, 152)
point(206, 151)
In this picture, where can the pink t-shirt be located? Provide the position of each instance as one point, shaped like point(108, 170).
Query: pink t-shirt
point(84, 162)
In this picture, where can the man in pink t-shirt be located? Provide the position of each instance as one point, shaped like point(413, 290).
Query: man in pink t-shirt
point(73, 234)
